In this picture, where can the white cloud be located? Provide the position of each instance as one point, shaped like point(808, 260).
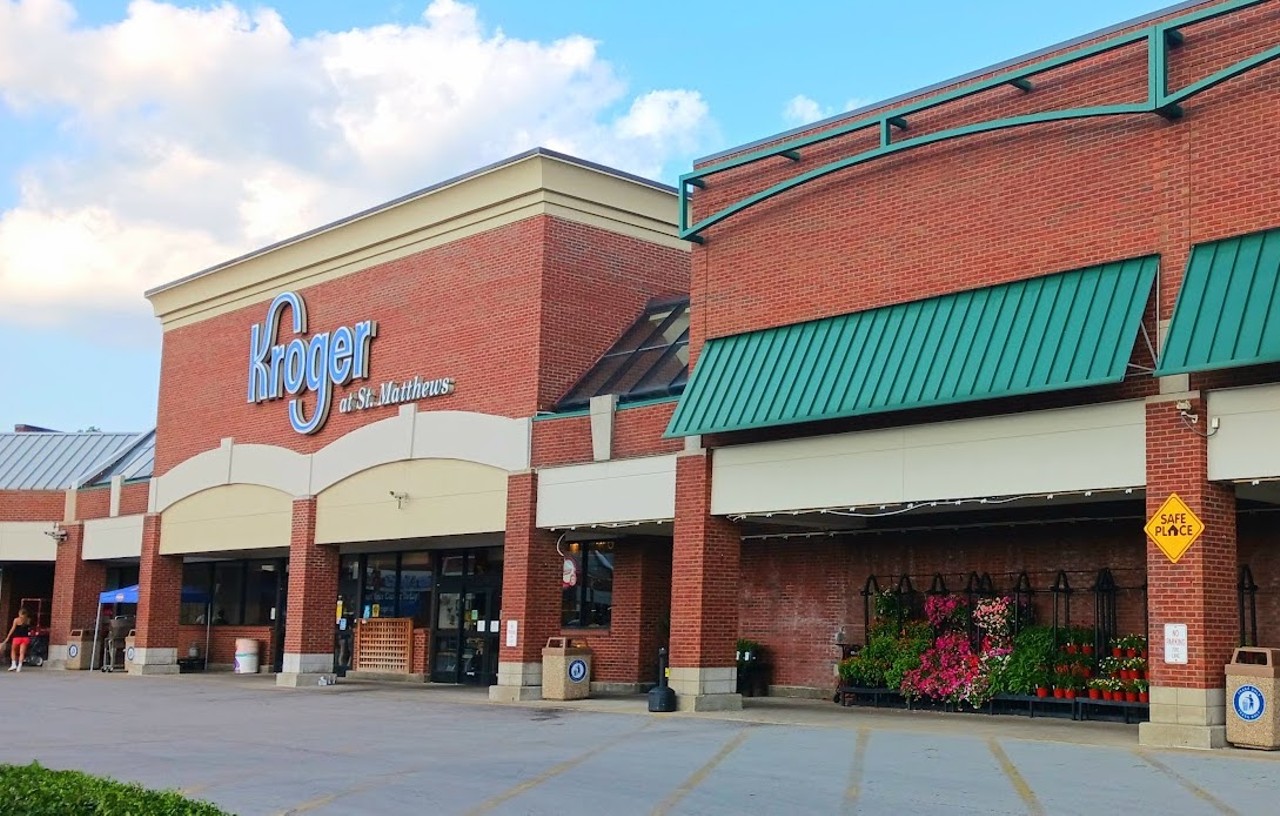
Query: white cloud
point(802, 110)
point(186, 136)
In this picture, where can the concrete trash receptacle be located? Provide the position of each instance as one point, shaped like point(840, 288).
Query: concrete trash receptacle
point(566, 670)
point(79, 649)
point(130, 649)
point(246, 656)
point(1253, 719)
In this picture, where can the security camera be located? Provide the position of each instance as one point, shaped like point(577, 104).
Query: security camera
point(57, 534)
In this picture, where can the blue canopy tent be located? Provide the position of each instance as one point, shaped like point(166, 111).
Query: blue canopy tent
point(129, 595)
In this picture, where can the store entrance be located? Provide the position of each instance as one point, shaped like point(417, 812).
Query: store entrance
point(465, 623)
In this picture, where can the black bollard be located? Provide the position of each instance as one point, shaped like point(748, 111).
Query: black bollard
point(661, 697)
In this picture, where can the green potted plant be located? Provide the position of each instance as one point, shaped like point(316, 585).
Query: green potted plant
point(1096, 686)
point(1144, 691)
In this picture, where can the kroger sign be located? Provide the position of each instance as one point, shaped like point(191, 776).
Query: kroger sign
point(305, 368)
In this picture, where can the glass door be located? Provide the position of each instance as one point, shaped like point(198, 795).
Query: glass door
point(465, 623)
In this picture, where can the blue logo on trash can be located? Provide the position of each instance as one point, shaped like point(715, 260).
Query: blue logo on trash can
point(73, 650)
point(1249, 703)
point(578, 671)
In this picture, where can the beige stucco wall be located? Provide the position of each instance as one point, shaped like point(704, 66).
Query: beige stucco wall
point(26, 541)
point(227, 518)
point(1246, 444)
point(1085, 448)
point(443, 497)
point(118, 537)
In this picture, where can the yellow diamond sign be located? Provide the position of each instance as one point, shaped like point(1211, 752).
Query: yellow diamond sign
point(1174, 528)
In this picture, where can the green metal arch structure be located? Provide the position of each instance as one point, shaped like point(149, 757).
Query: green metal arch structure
point(1159, 38)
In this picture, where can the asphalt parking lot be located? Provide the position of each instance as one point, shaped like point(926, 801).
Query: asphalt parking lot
point(370, 749)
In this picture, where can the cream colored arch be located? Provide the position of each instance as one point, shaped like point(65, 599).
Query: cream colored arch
point(227, 518)
point(416, 498)
point(492, 441)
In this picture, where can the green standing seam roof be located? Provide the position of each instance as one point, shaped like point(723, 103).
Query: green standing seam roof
point(1228, 309)
point(1067, 330)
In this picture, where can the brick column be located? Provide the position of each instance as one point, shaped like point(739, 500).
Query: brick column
point(531, 577)
point(159, 605)
point(655, 608)
point(76, 586)
point(1188, 702)
point(705, 577)
point(312, 607)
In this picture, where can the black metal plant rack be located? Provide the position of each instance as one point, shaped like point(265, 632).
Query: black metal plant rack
point(870, 590)
point(1247, 603)
point(1023, 600)
point(1104, 609)
point(1061, 590)
point(976, 587)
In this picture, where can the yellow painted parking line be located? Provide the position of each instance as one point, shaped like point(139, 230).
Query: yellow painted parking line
point(700, 775)
point(550, 773)
point(854, 790)
point(1196, 791)
point(1020, 785)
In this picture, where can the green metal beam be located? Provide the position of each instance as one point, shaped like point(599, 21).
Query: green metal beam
point(1159, 101)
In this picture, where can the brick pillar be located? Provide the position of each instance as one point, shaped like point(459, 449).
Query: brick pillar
point(312, 607)
point(705, 579)
point(531, 576)
point(1188, 704)
point(76, 586)
point(159, 605)
point(655, 608)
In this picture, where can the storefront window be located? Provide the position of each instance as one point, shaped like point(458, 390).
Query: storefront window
point(260, 596)
point(416, 582)
point(119, 577)
point(587, 582)
point(380, 586)
point(242, 592)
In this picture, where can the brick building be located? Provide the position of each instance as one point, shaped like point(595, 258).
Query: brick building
point(971, 337)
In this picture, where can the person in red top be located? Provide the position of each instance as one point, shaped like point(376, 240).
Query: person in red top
point(20, 635)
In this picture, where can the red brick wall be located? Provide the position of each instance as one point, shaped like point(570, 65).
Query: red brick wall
point(515, 315)
point(313, 586)
point(133, 498)
point(704, 573)
point(531, 571)
point(93, 503)
point(1200, 589)
point(159, 590)
point(798, 593)
point(76, 587)
point(627, 652)
point(636, 432)
point(420, 657)
point(32, 505)
point(222, 642)
point(1258, 536)
point(1004, 205)
point(595, 284)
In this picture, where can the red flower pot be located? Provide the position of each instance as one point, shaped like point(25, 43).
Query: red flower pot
point(1131, 696)
point(1088, 649)
point(1144, 697)
point(1071, 648)
point(1142, 653)
point(1070, 694)
point(1106, 694)
point(1130, 652)
point(1094, 694)
point(1116, 652)
point(1042, 692)
point(1057, 692)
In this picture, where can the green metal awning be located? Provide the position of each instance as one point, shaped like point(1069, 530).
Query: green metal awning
point(1228, 310)
point(1067, 330)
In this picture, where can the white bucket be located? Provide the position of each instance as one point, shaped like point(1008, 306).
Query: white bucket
point(246, 656)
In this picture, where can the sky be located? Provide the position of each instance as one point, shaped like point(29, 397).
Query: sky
point(143, 141)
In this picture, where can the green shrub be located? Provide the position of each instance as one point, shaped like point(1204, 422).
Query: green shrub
point(32, 790)
point(915, 640)
point(1028, 666)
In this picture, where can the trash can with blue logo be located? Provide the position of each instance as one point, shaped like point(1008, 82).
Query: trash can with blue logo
point(1252, 704)
point(566, 669)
